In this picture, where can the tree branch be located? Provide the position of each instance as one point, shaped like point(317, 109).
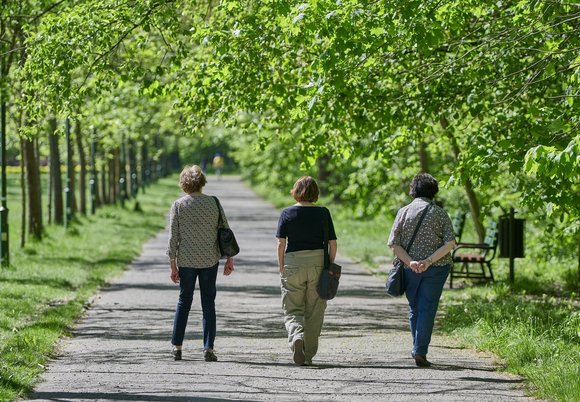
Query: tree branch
point(123, 37)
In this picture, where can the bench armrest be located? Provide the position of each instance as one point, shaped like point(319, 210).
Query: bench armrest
point(474, 246)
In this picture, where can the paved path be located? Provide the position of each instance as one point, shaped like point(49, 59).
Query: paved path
point(121, 349)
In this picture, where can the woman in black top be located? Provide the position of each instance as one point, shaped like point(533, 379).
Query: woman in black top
point(300, 236)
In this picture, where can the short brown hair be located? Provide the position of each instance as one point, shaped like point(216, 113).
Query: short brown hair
point(305, 189)
point(191, 179)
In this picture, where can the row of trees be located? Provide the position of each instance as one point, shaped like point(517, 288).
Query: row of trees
point(110, 144)
point(481, 93)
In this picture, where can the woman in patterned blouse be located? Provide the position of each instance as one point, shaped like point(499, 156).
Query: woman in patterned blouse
point(427, 262)
point(194, 254)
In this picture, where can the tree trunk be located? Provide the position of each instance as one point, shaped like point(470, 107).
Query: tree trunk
point(133, 169)
point(94, 172)
point(55, 173)
point(468, 186)
point(83, 170)
point(123, 179)
point(113, 162)
point(34, 190)
point(23, 192)
point(104, 176)
point(423, 157)
point(50, 197)
point(71, 179)
point(144, 167)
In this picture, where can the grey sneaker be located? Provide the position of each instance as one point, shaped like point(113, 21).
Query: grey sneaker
point(299, 357)
point(210, 356)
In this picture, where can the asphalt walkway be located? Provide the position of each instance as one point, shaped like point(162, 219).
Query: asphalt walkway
point(121, 348)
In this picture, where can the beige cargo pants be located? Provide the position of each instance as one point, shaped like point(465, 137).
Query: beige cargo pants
point(303, 309)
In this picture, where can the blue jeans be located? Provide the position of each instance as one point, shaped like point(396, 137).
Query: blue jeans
point(423, 292)
point(207, 278)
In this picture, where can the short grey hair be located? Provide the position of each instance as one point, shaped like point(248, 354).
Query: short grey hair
point(192, 179)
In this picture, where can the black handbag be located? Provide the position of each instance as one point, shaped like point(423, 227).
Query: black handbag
point(329, 277)
point(395, 285)
point(226, 239)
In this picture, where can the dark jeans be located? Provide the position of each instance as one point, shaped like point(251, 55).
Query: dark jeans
point(423, 292)
point(207, 278)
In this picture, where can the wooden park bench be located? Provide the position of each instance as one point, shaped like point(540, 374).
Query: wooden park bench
point(466, 254)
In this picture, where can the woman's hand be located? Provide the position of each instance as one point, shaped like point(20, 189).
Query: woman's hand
point(174, 275)
point(229, 266)
point(416, 266)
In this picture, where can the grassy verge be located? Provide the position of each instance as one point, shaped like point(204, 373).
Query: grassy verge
point(49, 282)
point(537, 336)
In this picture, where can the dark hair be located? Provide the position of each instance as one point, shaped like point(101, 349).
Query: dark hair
point(423, 185)
point(305, 189)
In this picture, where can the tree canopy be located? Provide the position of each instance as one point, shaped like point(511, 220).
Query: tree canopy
point(484, 93)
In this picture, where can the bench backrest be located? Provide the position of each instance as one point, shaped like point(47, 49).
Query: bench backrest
point(458, 222)
point(491, 239)
point(491, 234)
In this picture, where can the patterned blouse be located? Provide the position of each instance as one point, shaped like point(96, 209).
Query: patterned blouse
point(436, 230)
point(193, 224)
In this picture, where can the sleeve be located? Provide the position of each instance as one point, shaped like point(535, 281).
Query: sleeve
point(331, 232)
point(173, 242)
point(225, 223)
point(281, 231)
point(447, 225)
point(395, 236)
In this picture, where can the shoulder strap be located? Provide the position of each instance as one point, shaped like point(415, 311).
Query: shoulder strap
point(220, 222)
point(325, 228)
point(418, 225)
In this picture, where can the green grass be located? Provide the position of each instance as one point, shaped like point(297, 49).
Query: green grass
point(533, 324)
point(48, 283)
point(536, 337)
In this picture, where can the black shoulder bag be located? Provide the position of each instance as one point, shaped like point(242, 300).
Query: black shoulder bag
point(330, 275)
point(395, 285)
point(226, 239)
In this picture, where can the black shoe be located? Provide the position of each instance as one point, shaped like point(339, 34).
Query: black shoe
point(421, 361)
point(299, 357)
point(210, 356)
point(176, 354)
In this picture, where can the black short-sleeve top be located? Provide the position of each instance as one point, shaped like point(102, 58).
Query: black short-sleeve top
point(303, 227)
point(435, 230)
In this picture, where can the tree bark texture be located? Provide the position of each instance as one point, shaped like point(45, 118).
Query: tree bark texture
point(34, 190)
point(71, 178)
point(83, 170)
point(113, 177)
point(23, 192)
point(468, 185)
point(423, 157)
point(104, 176)
point(55, 173)
point(134, 185)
